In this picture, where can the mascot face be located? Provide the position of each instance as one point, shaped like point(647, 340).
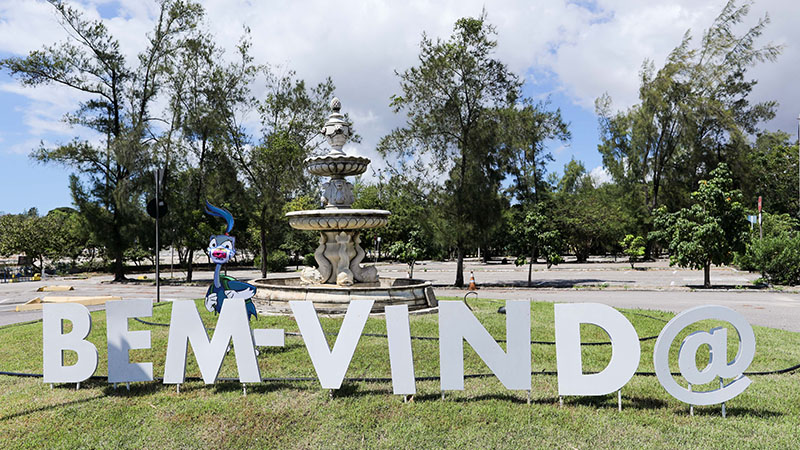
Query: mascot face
point(221, 248)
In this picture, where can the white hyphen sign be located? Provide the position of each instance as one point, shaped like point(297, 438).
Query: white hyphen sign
point(456, 325)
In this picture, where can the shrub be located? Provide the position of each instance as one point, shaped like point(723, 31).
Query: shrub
point(277, 260)
point(777, 258)
point(633, 247)
point(309, 260)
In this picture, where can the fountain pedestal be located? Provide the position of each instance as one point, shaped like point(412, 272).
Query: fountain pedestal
point(339, 276)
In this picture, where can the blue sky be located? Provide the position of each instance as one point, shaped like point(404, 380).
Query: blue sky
point(569, 51)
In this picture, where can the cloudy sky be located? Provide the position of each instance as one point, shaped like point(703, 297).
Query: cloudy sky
point(568, 51)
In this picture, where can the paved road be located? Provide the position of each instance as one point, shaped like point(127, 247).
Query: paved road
point(658, 287)
point(769, 309)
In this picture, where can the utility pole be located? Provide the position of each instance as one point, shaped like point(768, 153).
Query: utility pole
point(798, 165)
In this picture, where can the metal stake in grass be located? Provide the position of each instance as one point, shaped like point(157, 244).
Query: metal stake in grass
point(178, 388)
point(691, 407)
point(128, 385)
point(77, 385)
point(560, 401)
point(619, 400)
point(721, 385)
point(529, 396)
point(244, 390)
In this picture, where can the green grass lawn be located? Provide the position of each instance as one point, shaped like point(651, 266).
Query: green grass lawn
point(302, 415)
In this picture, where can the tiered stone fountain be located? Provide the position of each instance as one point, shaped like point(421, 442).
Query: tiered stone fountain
point(339, 277)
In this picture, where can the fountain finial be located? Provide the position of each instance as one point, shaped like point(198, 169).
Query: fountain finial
point(336, 130)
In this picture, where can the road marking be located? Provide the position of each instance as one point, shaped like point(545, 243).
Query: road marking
point(6, 300)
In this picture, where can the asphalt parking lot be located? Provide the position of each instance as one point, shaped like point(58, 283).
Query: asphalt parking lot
point(652, 285)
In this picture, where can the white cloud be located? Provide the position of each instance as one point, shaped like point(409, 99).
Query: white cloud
point(582, 51)
point(600, 176)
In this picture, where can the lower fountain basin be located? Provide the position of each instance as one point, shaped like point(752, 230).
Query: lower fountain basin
point(338, 219)
point(274, 294)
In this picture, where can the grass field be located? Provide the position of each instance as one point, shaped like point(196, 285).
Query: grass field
point(302, 415)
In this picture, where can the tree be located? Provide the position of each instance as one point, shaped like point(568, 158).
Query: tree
point(693, 114)
point(534, 233)
point(203, 91)
point(406, 252)
point(107, 192)
point(772, 173)
point(291, 119)
point(527, 130)
point(708, 232)
point(633, 247)
point(451, 100)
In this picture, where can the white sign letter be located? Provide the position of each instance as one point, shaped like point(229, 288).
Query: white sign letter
point(55, 342)
point(331, 366)
point(625, 349)
point(400, 354)
point(718, 366)
point(186, 326)
point(121, 341)
point(457, 323)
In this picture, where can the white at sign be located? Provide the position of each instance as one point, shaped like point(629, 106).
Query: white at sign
point(718, 365)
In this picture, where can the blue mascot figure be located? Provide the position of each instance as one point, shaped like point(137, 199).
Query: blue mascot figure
point(221, 249)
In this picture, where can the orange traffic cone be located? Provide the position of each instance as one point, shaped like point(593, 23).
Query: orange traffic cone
point(472, 286)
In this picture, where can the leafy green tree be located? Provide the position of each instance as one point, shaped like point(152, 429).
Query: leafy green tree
point(534, 233)
point(203, 93)
point(291, 118)
point(406, 252)
point(300, 242)
point(693, 113)
point(708, 232)
point(107, 192)
point(526, 132)
point(61, 233)
point(451, 100)
point(772, 173)
point(591, 219)
point(633, 247)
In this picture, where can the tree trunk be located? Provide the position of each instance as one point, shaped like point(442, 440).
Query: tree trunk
point(189, 265)
point(530, 264)
point(262, 234)
point(707, 275)
point(459, 267)
point(119, 265)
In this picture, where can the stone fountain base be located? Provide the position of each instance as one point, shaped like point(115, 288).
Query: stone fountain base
point(273, 294)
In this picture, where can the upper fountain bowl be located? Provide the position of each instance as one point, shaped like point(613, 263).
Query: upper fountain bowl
point(337, 164)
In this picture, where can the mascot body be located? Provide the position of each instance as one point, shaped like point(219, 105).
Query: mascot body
point(221, 249)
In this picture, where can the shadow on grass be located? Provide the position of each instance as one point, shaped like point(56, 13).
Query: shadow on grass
point(136, 389)
point(49, 407)
point(716, 410)
point(610, 402)
point(355, 390)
